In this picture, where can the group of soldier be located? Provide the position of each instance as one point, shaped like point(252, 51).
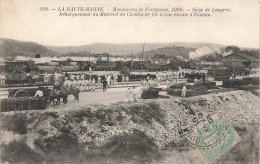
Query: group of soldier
point(169, 76)
point(85, 84)
point(162, 77)
point(90, 83)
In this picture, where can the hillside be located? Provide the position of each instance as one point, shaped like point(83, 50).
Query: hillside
point(115, 49)
point(168, 51)
point(10, 47)
point(174, 48)
point(141, 132)
point(13, 48)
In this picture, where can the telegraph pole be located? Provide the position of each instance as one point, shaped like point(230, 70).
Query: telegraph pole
point(131, 60)
point(142, 59)
point(143, 52)
point(89, 54)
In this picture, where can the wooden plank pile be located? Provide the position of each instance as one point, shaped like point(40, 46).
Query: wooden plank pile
point(234, 83)
point(194, 90)
point(150, 94)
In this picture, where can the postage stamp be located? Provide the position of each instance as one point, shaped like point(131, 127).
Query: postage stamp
point(213, 137)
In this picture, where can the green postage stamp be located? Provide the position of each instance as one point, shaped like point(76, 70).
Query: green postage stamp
point(213, 138)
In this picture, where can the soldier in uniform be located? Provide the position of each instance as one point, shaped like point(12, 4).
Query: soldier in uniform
point(104, 85)
point(127, 80)
point(184, 90)
point(99, 82)
point(93, 84)
point(38, 93)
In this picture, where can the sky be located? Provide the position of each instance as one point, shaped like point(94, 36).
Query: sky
point(22, 20)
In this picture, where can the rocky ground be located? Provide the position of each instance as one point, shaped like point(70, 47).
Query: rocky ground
point(123, 132)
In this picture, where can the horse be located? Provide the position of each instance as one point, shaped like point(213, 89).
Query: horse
point(61, 92)
point(54, 95)
point(65, 91)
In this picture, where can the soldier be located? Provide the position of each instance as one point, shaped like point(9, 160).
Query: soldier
point(77, 77)
point(65, 84)
point(104, 85)
point(195, 80)
point(69, 83)
point(72, 77)
point(74, 83)
point(2, 79)
point(86, 85)
point(115, 79)
point(134, 93)
point(78, 83)
point(82, 87)
point(123, 78)
point(184, 90)
point(127, 80)
point(93, 84)
point(38, 93)
point(99, 82)
point(82, 77)
point(89, 84)
point(66, 75)
point(108, 80)
point(45, 78)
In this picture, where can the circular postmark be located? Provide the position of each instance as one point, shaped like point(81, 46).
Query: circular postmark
point(202, 130)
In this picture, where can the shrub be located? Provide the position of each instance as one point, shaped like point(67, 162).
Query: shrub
point(16, 123)
point(19, 152)
point(42, 132)
point(58, 149)
point(144, 113)
point(79, 115)
point(136, 146)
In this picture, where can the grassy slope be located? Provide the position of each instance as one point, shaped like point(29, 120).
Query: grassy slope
point(123, 132)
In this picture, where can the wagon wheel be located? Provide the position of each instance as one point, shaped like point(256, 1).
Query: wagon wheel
point(21, 91)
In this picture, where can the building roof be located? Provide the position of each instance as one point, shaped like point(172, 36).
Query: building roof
point(243, 55)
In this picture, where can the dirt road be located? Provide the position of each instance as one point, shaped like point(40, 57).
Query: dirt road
point(112, 95)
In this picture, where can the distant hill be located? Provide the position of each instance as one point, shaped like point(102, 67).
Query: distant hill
point(114, 49)
point(168, 51)
point(10, 47)
point(174, 49)
point(13, 48)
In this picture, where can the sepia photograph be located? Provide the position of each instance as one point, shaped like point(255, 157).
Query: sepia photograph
point(129, 82)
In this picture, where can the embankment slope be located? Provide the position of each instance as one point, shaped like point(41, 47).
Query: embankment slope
point(140, 132)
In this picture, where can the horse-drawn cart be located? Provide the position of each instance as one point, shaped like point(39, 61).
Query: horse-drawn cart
point(19, 100)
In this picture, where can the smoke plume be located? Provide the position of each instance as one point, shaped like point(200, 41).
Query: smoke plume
point(203, 51)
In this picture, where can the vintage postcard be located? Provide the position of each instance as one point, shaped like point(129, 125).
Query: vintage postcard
point(129, 82)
